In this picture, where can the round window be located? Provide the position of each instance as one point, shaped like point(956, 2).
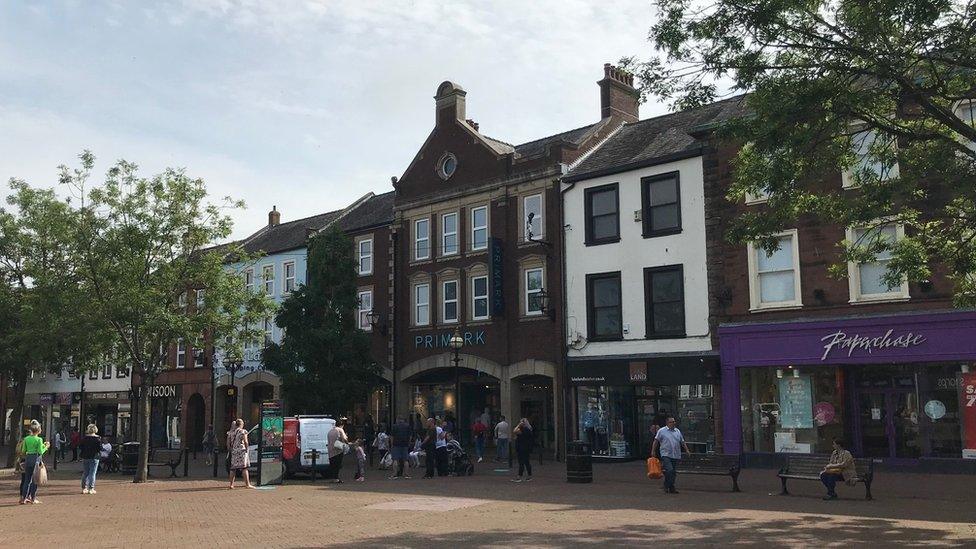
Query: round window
point(446, 166)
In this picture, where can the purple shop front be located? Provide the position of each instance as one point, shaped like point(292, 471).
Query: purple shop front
point(891, 386)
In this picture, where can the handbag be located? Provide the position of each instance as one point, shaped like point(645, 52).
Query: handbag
point(654, 469)
point(341, 446)
point(40, 473)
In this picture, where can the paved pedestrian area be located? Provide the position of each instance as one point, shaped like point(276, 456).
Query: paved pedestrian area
point(621, 508)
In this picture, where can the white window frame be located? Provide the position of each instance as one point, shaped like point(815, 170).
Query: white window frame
point(200, 298)
point(541, 217)
point(265, 281)
point(956, 110)
point(362, 313)
point(365, 256)
point(417, 239)
point(475, 297)
point(268, 331)
point(249, 279)
point(181, 301)
point(476, 228)
point(760, 198)
point(417, 304)
point(528, 293)
point(289, 281)
point(455, 301)
point(898, 293)
point(847, 176)
point(755, 291)
point(444, 234)
point(180, 353)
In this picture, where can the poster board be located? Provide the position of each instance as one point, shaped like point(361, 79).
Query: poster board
point(269, 446)
point(796, 402)
point(967, 412)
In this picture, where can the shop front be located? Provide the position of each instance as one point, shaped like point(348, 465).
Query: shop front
point(110, 412)
point(165, 412)
point(432, 394)
point(897, 388)
point(620, 403)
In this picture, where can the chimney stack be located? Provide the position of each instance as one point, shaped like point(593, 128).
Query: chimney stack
point(449, 102)
point(274, 217)
point(472, 123)
point(618, 97)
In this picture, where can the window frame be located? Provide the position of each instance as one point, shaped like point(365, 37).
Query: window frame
point(590, 311)
point(455, 233)
point(588, 214)
point(445, 301)
point(475, 297)
point(362, 313)
point(367, 256)
point(181, 353)
point(285, 290)
point(475, 229)
point(265, 269)
point(847, 174)
point(249, 279)
point(417, 304)
point(542, 217)
point(646, 208)
point(527, 293)
point(417, 239)
point(898, 293)
point(268, 332)
point(649, 331)
point(755, 288)
point(106, 371)
point(200, 297)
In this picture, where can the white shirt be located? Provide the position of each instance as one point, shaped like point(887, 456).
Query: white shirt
point(669, 442)
point(441, 438)
point(502, 430)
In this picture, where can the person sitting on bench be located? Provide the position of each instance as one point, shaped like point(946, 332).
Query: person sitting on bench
point(840, 467)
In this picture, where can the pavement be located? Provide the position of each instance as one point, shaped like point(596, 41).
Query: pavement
point(620, 508)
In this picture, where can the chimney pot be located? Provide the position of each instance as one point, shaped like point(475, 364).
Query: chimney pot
point(274, 217)
point(618, 97)
point(472, 123)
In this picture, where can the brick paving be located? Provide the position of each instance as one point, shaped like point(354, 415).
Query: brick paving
point(621, 508)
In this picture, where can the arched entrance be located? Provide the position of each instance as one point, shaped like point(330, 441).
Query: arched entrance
point(433, 393)
point(195, 421)
point(253, 395)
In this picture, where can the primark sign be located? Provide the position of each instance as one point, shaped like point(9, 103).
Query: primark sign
point(443, 340)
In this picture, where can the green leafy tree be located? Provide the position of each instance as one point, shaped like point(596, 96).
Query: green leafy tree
point(323, 359)
point(881, 89)
point(139, 244)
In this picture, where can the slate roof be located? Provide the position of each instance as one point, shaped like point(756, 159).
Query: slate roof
point(374, 211)
point(287, 236)
point(647, 142)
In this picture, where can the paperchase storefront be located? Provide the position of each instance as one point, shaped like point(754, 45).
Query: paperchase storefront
point(900, 388)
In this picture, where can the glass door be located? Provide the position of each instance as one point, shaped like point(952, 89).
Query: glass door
point(888, 421)
point(873, 421)
point(904, 424)
point(646, 425)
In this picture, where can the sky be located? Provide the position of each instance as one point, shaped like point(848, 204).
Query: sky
point(304, 105)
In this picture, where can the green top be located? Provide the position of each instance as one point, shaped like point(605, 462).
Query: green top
point(34, 444)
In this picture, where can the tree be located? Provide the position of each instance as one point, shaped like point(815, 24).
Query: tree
point(139, 245)
point(881, 89)
point(324, 358)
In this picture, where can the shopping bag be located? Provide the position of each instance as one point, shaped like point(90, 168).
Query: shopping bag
point(654, 469)
point(40, 473)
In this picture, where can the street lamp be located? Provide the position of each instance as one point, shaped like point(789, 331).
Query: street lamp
point(376, 321)
point(233, 366)
point(456, 342)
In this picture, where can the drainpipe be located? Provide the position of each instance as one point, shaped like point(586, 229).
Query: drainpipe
point(563, 324)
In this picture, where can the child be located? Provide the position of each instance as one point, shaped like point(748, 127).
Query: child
point(360, 460)
point(417, 453)
point(382, 442)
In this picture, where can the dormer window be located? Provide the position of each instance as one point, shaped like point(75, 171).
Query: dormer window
point(446, 166)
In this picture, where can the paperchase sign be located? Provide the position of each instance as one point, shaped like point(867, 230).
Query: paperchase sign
point(841, 341)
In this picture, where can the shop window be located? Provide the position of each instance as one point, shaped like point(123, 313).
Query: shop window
point(867, 279)
point(774, 279)
point(602, 211)
point(421, 239)
point(940, 422)
point(664, 297)
point(479, 228)
point(661, 202)
point(366, 256)
point(533, 217)
point(868, 148)
point(606, 420)
point(449, 306)
point(603, 311)
point(365, 307)
point(421, 304)
point(449, 234)
point(288, 270)
point(479, 298)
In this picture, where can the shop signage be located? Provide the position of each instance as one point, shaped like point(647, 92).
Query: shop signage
point(496, 275)
point(638, 372)
point(46, 399)
point(841, 340)
point(107, 396)
point(162, 391)
point(443, 341)
point(64, 399)
point(796, 402)
point(967, 408)
point(272, 430)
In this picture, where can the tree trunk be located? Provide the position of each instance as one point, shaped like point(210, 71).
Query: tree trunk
point(142, 469)
point(17, 418)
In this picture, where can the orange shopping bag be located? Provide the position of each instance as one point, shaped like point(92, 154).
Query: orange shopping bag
point(654, 469)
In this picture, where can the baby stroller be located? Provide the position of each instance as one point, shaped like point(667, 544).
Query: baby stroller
point(458, 462)
point(111, 463)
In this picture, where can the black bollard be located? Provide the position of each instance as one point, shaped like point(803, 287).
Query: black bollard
point(216, 458)
point(315, 455)
point(55, 456)
point(186, 462)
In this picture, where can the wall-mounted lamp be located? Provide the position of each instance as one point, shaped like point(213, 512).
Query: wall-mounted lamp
point(377, 321)
point(779, 373)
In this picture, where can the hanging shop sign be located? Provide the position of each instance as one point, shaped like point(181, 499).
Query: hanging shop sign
point(496, 274)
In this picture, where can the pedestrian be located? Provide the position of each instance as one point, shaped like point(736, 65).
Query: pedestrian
point(413, 459)
point(75, 441)
point(440, 448)
point(381, 443)
point(209, 442)
point(59, 443)
point(360, 450)
point(502, 433)
point(33, 449)
point(90, 448)
point(669, 441)
point(429, 445)
point(478, 430)
point(840, 467)
point(486, 417)
point(237, 446)
point(338, 445)
point(369, 433)
point(402, 436)
point(524, 443)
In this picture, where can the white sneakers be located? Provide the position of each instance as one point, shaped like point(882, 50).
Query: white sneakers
point(93, 492)
point(87, 491)
point(480, 459)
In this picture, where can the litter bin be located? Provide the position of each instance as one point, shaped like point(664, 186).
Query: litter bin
point(130, 458)
point(579, 463)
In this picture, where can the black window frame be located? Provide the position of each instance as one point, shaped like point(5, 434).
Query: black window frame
point(591, 317)
point(649, 332)
point(646, 216)
point(588, 213)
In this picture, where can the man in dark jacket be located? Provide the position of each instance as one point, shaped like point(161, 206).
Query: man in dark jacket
point(402, 436)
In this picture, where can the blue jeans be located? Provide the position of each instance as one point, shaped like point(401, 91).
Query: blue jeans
point(27, 487)
point(90, 470)
point(670, 475)
point(830, 481)
point(479, 447)
point(501, 445)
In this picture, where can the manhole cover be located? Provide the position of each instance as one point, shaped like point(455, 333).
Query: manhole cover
point(427, 504)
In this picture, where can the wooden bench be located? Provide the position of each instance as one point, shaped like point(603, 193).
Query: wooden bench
point(166, 458)
point(710, 464)
point(809, 468)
